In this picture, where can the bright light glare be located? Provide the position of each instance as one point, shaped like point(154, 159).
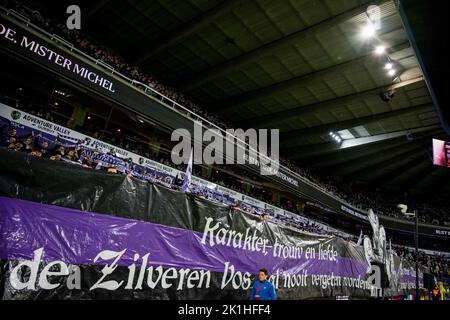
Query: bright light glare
point(388, 66)
point(336, 137)
point(379, 50)
point(368, 31)
point(391, 72)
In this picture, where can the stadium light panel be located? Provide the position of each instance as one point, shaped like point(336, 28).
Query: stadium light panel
point(368, 31)
point(336, 137)
point(391, 72)
point(379, 50)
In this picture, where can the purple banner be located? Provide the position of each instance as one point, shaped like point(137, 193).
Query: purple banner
point(77, 237)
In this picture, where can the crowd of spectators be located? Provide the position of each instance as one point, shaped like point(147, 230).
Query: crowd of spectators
point(436, 213)
point(439, 266)
point(39, 146)
point(432, 212)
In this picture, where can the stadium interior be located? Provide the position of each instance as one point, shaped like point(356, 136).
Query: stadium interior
point(355, 109)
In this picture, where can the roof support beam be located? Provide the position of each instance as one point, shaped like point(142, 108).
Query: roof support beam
point(171, 38)
point(236, 102)
point(268, 49)
point(293, 138)
point(400, 160)
point(391, 169)
point(416, 174)
point(273, 118)
point(395, 168)
point(342, 160)
point(351, 143)
point(373, 164)
point(413, 174)
point(372, 150)
point(309, 151)
point(341, 165)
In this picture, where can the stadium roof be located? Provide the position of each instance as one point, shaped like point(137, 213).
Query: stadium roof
point(301, 66)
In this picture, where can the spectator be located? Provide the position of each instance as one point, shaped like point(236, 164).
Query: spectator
point(28, 145)
point(71, 155)
point(10, 138)
point(112, 170)
point(36, 153)
point(262, 288)
point(16, 146)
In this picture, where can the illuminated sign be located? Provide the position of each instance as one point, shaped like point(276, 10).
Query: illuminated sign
point(441, 153)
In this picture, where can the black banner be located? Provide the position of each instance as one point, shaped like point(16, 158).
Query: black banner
point(69, 232)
